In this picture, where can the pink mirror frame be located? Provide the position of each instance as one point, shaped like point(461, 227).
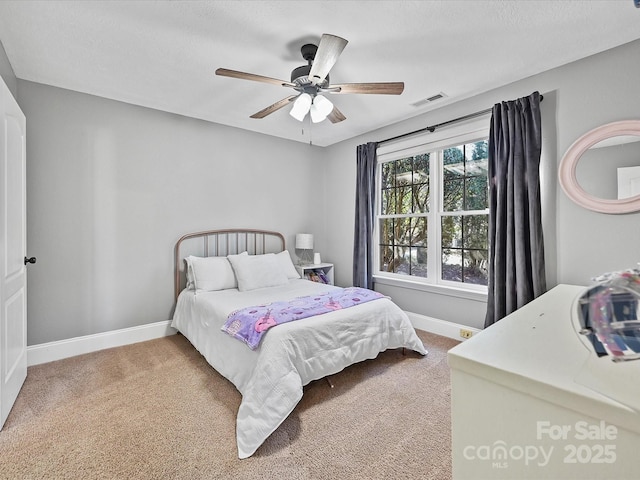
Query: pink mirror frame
point(568, 164)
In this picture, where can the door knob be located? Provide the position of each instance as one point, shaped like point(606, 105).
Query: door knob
point(29, 260)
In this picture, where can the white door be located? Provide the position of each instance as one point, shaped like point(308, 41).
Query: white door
point(13, 279)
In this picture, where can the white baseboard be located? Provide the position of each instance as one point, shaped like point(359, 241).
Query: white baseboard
point(439, 327)
point(51, 351)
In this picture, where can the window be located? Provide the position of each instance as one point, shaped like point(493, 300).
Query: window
point(432, 216)
point(464, 217)
point(403, 220)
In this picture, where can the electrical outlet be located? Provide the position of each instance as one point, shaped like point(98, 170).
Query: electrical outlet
point(465, 333)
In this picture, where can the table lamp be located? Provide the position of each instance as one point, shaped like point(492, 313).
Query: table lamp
point(304, 242)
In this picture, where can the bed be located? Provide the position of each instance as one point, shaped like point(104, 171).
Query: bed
point(212, 280)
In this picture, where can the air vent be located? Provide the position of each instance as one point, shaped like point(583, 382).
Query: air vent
point(432, 98)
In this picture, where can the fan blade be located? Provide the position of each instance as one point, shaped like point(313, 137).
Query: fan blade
point(276, 106)
point(329, 50)
point(336, 116)
point(383, 88)
point(250, 76)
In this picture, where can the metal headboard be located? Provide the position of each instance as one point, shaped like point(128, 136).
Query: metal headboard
point(216, 243)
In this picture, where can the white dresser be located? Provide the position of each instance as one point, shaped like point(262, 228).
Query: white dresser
point(530, 399)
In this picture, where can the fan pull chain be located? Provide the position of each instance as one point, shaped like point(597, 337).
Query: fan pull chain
point(310, 130)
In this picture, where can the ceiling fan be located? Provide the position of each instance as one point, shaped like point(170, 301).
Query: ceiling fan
point(311, 81)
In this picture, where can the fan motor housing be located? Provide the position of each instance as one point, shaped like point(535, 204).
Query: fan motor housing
point(300, 76)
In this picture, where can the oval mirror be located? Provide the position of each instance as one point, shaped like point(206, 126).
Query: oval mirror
point(601, 170)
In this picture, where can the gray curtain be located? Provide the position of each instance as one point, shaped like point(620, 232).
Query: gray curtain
point(366, 158)
point(516, 248)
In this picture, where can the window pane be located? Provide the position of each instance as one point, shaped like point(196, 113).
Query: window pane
point(421, 183)
point(453, 163)
point(453, 195)
point(464, 248)
point(419, 232)
point(476, 193)
point(476, 169)
point(400, 260)
point(452, 264)
point(421, 198)
point(388, 206)
point(477, 154)
point(386, 244)
point(403, 199)
point(388, 170)
point(451, 235)
point(475, 231)
point(475, 267)
point(419, 261)
point(465, 177)
point(421, 168)
point(403, 245)
point(386, 258)
point(402, 233)
point(386, 231)
point(403, 171)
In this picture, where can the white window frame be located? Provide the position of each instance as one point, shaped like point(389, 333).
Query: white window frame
point(460, 134)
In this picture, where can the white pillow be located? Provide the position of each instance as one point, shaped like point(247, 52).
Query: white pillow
point(243, 254)
point(257, 271)
point(189, 272)
point(210, 273)
point(284, 259)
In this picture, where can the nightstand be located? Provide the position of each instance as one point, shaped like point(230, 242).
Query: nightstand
point(322, 272)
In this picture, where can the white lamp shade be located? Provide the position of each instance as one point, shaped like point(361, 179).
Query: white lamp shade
point(304, 241)
point(301, 106)
point(320, 108)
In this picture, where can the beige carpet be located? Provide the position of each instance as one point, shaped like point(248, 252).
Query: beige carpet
point(157, 410)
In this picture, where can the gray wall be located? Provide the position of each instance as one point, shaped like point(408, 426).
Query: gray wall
point(112, 186)
point(6, 72)
point(579, 244)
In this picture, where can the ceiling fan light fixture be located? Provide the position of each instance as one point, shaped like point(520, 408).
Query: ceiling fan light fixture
point(301, 106)
point(320, 108)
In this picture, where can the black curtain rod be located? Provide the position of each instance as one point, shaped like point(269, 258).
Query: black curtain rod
point(448, 122)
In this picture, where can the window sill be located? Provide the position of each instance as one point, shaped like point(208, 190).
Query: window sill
point(477, 296)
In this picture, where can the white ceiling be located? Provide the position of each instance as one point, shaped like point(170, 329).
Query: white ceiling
point(163, 54)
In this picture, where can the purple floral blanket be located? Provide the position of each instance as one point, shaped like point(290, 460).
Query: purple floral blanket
point(250, 324)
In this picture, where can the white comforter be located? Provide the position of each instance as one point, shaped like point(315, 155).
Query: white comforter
point(290, 355)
